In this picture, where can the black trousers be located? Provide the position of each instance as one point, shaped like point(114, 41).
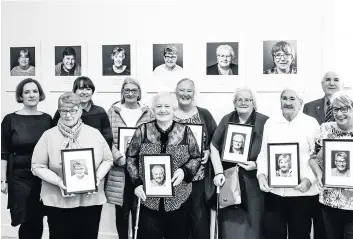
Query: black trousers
point(73, 223)
point(199, 213)
point(318, 221)
point(122, 212)
point(161, 224)
point(292, 213)
point(338, 223)
point(31, 229)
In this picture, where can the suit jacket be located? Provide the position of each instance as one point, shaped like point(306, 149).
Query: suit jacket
point(316, 109)
point(213, 69)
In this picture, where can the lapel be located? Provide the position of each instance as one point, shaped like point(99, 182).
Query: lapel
point(320, 110)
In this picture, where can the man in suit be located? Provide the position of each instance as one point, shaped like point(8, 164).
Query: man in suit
point(319, 109)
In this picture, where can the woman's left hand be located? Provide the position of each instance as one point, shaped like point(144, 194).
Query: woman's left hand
point(304, 186)
point(248, 165)
point(206, 154)
point(178, 177)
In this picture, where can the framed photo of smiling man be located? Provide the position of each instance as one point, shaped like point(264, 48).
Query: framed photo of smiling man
point(280, 57)
point(337, 161)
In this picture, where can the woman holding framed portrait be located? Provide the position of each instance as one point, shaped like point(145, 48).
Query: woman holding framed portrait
point(188, 112)
point(125, 113)
point(337, 201)
point(77, 214)
point(164, 217)
point(230, 218)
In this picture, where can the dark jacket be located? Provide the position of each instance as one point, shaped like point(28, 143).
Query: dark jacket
point(213, 69)
point(316, 109)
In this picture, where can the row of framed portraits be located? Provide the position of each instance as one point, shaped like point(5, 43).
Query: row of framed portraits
point(113, 62)
point(282, 159)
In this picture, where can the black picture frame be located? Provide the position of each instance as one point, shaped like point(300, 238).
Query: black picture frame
point(333, 149)
point(151, 186)
point(124, 134)
point(84, 157)
point(197, 130)
point(286, 150)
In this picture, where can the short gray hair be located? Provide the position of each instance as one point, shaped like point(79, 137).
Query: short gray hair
point(226, 47)
point(297, 93)
point(344, 96)
point(163, 94)
point(252, 93)
point(69, 99)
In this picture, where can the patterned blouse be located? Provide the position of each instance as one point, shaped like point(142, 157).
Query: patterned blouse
point(334, 197)
point(178, 141)
point(195, 119)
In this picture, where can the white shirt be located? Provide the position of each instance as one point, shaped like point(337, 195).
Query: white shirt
point(130, 116)
point(162, 70)
point(300, 130)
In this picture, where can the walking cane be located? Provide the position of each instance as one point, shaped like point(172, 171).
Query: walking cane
point(137, 217)
point(216, 220)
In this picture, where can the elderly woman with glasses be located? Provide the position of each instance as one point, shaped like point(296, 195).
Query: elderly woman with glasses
point(283, 57)
point(188, 112)
point(337, 203)
point(128, 112)
point(245, 220)
point(224, 66)
point(73, 216)
point(164, 217)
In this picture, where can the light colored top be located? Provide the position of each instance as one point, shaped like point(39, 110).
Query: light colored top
point(130, 116)
point(300, 130)
point(162, 70)
point(335, 172)
point(17, 71)
point(47, 154)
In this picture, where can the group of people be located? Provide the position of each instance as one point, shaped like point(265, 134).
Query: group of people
point(33, 178)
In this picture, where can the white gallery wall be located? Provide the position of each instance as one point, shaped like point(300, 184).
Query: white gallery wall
point(322, 44)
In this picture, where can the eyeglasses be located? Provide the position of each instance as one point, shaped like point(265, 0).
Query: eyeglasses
point(341, 162)
point(72, 112)
point(285, 55)
point(246, 100)
point(343, 109)
point(170, 57)
point(225, 56)
point(133, 91)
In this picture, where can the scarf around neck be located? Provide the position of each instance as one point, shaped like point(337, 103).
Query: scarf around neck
point(70, 134)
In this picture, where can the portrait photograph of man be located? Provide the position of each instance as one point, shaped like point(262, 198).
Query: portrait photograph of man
point(340, 164)
point(284, 165)
point(157, 175)
point(116, 60)
point(22, 61)
point(68, 61)
point(279, 57)
point(237, 143)
point(167, 59)
point(222, 58)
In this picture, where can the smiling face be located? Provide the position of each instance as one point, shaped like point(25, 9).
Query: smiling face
point(290, 103)
point(341, 164)
point(85, 93)
point(170, 60)
point(283, 60)
point(23, 60)
point(70, 115)
point(158, 174)
point(69, 62)
point(224, 58)
point(238, 141)
point(243, 103)
point(118, 58)
point(284, 163)
point(331, 83)
point(79, 170)
point(131, 93)
point(343, 119)
point(163, 108)
point(30, 94)
point(185, 92)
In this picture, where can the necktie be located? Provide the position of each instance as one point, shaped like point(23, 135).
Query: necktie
point(328, 115)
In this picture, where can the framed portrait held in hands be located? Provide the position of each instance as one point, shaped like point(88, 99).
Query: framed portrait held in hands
point(337, 159)
point(79, 171)
point(157, 173)
point(283, 165)
point(124, 139)
point(237, 142)
point(197, 130)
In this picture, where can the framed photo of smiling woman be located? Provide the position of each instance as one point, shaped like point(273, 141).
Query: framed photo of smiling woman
point(222, 58)
point(337, 155)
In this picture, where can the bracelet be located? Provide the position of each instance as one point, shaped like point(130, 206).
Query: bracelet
point(219, 174)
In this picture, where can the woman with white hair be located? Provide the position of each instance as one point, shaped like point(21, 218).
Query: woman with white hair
point(288, 210)
point(164, 217)
point(337, 203)
point(224, 66)
point(244, 220)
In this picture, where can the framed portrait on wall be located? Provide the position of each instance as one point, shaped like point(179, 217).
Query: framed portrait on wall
point(116, 60)
point(283, 165)
point(124, 139)
point(168, 59)
point(237, 142)
point(222, 58)
point(197, 130)
point(157, 173)
point(79, 171)
point(337, 161)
